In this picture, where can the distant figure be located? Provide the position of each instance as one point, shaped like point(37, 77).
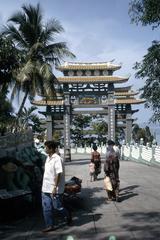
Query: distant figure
point(92, 171)
point(53, 187)
point(96, 159)
point(111, 169)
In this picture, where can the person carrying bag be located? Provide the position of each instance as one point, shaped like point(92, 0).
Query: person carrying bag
point(107, 184)
point(111, 170)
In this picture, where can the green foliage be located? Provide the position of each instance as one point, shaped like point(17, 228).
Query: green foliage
point(100, 128)
point(79, 123)
point(29, 119)
point(144, 133)
point(6, 117)
point(145, 11)
point(37, 44)
point(9, 60)
point(149, 70)
point(119, 134)
point(57, 135)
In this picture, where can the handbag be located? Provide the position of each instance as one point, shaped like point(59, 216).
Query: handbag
point(107, 184)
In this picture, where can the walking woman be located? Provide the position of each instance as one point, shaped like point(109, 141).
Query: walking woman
point(96, 159)
point(111, 169)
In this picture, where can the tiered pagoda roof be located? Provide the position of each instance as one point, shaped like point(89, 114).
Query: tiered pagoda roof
point(125, 96)
point(97, 72)
point(90, 73)
point(125, 93)
point(89, 66)
point(123, 89)
point(92, 79)
point(48, 102)
point(129, 101)
point(61, 102)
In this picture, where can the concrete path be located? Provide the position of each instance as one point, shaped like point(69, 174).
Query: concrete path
point(136, 216)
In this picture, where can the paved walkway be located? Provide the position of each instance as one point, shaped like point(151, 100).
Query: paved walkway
point(136, 216)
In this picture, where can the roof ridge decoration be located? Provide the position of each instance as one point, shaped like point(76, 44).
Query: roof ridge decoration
point(89, 65)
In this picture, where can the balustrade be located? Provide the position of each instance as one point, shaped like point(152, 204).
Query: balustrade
point(140, 153)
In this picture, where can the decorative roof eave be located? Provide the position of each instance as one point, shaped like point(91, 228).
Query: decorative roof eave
point(125, 93)
point(48, 102)
point(125, 111)
point(88, 66)
point(123, 89)
point(92, 79)
point(129, 101)
point(57, 95)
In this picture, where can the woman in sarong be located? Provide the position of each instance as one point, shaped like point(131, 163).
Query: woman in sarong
point(96, 159)
point(111, 169)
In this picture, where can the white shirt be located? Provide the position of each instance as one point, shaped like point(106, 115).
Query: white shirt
point(53, 166)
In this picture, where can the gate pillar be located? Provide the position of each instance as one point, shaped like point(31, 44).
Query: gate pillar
point(67, 148)
point(128, 128)
point(111, 112)
point(49, 123)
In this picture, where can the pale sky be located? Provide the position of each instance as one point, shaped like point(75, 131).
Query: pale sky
point(97, 30)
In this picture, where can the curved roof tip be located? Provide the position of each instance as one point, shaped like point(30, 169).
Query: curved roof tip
point(112, 60)
point(128, 75)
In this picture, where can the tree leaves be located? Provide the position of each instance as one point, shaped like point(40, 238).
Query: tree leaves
point(147, 12)
point(36, 43)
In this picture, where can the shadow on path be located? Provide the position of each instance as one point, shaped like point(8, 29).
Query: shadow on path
point(146, 223)
point(127, 192)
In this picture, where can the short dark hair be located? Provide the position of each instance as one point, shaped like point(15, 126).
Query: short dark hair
point(51, 144)
point(94, 147)
point(110, 142)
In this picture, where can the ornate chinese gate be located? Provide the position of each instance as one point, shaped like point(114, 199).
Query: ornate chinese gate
point(91, 87)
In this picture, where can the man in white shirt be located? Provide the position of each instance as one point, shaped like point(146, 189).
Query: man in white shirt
point(53, 187)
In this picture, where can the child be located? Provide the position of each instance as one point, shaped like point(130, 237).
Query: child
point(92, 171)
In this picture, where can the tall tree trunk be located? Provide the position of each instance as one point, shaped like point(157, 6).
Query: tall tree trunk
point(22, 104)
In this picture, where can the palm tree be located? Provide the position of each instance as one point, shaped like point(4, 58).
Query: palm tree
point(29, 118)
point(7, 118)
point(9, 60)
point(39, 52)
